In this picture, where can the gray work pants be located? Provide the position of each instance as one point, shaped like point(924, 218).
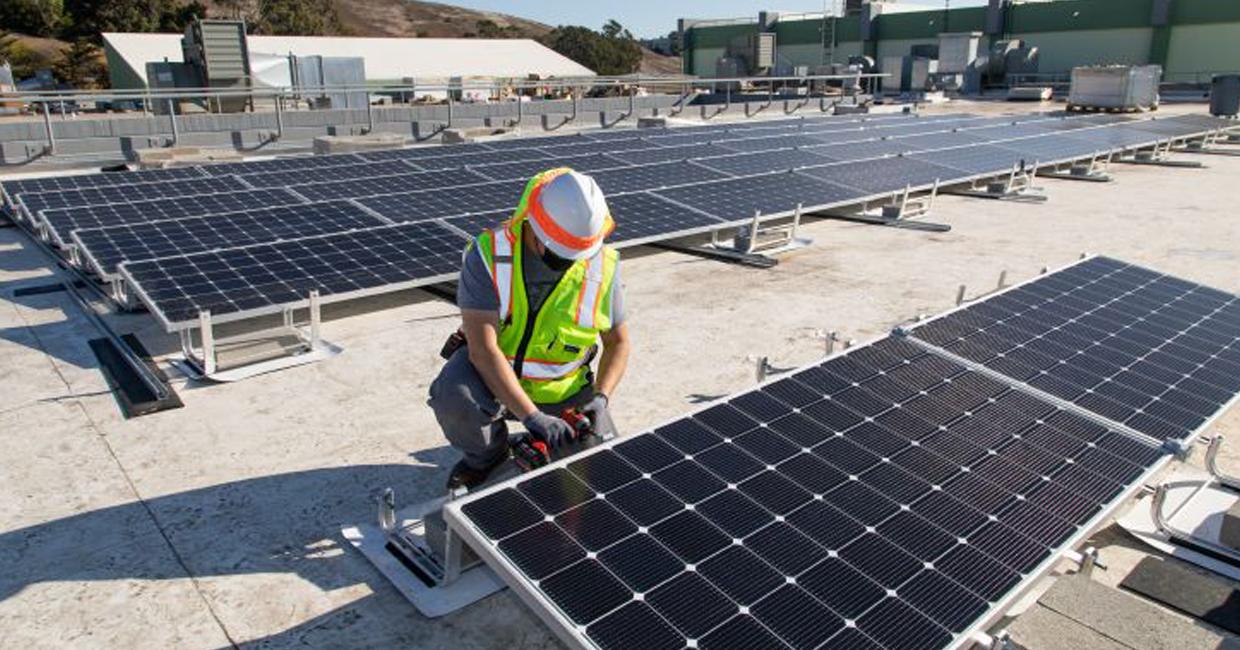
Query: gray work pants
point(471, 418)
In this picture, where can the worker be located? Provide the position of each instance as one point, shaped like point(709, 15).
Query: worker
point(537, 294)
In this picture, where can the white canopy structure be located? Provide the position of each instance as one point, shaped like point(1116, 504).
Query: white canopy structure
point(387, 59)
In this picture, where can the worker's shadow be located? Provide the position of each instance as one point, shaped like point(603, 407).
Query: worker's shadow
point(280, 524)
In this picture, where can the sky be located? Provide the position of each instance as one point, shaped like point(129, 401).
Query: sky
point(650, 18)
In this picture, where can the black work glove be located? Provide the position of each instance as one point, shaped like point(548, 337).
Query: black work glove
point(600, 416)
point(549, 429)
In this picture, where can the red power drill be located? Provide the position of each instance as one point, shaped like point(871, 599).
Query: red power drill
point(530, 453)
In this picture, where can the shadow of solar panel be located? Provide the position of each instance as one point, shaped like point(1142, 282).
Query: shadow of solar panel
point(409, 182)
point(525, 169)
point(764, 162)
point(738, 199)
point(38, 201)
point(885, 174)
point(108, 247)
point(326, 174)
point(974, 160)
point(263, 278)
point(61, 222)
point(660, 175)
point(446, 202)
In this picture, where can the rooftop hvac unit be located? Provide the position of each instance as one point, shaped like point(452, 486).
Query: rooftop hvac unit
point(218, 49)
point(1121, 87)
point(1225, 95)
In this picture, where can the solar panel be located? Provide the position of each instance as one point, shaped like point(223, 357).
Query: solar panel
point(739, 198)
point(880, 175)
point(765, 162)
point(687, 139)
point(597, 147)
point(859, 502)
point(473, 224)
point(976, 160)
point(1170, 127)
point(667, 154)
point(432, 204)
point(1050, 148)
point(409, 182)
point(768, 143)
point(1155, 353)
point(62, 221)
point(480, 157)
point(1008, 131)
point(528, 168)
point(860, 150)
point(244, 282)
point(53, 183)
point(282, 164)
point(328, 174)
point(645, 177)
point(105, 248)
point(424, 152)
point(933, 141)
point(34, 202)
point(1116, 137)
point(643, 217)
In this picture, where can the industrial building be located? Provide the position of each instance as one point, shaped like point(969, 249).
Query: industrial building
point(1190, 39)
point(386, 60)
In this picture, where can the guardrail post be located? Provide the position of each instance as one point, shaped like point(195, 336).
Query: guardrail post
point(370, 117)
point(279, 116)
point(172, 115)
point(47, 125)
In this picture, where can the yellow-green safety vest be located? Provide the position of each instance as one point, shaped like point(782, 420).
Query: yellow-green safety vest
point(560, 340)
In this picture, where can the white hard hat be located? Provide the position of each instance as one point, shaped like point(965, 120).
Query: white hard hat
point(569, 215)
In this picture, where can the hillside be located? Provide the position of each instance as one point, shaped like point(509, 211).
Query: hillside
point(435, 20)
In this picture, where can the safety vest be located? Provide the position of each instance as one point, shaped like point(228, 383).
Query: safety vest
point(552, 352)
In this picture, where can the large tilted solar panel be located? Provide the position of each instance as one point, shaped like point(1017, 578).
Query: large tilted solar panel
point(862, 150)
point(881, 175)
point(409, 181)
point(243, 282)
point(1120, 136)
point(105, 248)
point(1047, 150)
point(481, 157)
point(282, 164)
point(61, 222)
point(977, 160)
point(645, 177)
point(667, 154)
point(764, 162)
point(53, 183)
point(328, 174)
point(933, 141)
point(34, 202)
point(885, 498)
point(1155, 353)
point(772, 194)
point(525, 169)
point(446, 202)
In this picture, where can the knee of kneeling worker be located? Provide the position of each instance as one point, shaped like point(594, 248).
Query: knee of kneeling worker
point(457, 402)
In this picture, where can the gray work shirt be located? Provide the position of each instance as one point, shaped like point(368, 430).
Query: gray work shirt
point(475, 290)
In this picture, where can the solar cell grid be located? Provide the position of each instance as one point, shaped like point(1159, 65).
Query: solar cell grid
point(525, 169)
point(646, 177)
point(891, 174)
point(34, 202)
point(446, 202)
point(861, 150)
point(328, 174)
point(767, 143)
point(1152, 352)
point(935, 141)
point(108, 247)
point(666, 154)
point(640, 216)
point(765, 162)
point(61, 222)
point(239, 282)
point(740, 198)
point(282, 164)
point(53, 183)
point(379, 185)
point(823, 533)
point(976, 160)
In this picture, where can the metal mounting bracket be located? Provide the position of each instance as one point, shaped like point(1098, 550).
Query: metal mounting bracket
point(900, 211)
point(255, 354)
point(1211, 463)
point(1016, 186)
point(1094, 170)
point(1184, 537)
point(1158, 155)
point(754, 244)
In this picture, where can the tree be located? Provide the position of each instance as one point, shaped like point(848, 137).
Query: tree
point(80, 66)
point(612, 52)
point(296, 17)
point(489, 29)
point(34, 17)
point(24, 61)
point(90, 18)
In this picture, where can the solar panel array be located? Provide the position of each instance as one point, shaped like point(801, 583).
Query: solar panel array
point(889, 497)
point(662, 183)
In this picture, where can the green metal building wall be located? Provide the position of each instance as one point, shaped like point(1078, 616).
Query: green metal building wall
point(1202, 37)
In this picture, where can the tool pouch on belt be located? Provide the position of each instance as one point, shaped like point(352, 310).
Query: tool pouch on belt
point(455, 342)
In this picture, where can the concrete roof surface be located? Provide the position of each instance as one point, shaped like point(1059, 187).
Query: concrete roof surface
point(218, 524)
point(386, 58)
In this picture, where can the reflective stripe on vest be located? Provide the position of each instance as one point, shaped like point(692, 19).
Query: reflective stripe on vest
point(536, 370)
point(501, 271)
point(591, 291)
